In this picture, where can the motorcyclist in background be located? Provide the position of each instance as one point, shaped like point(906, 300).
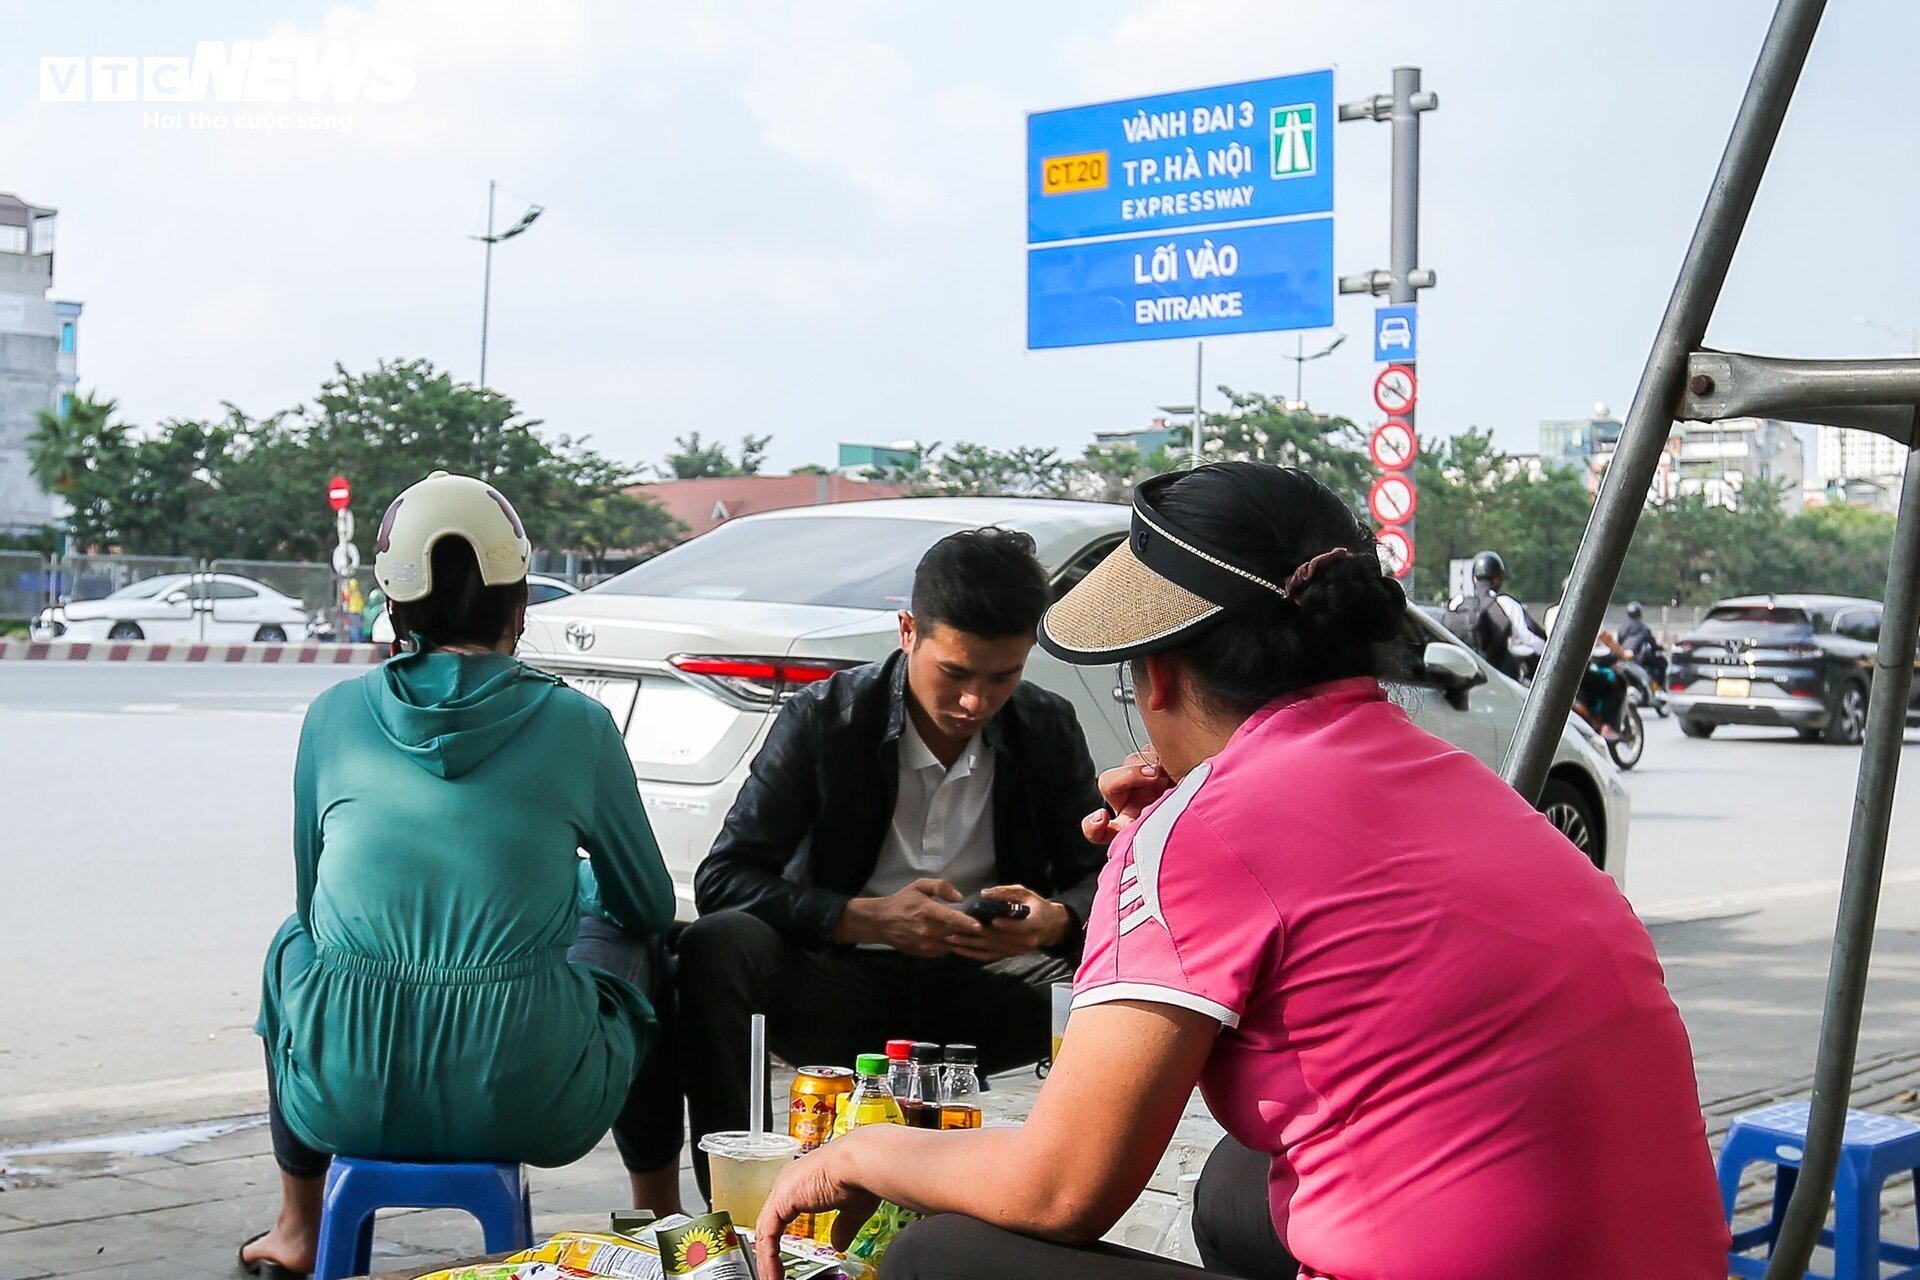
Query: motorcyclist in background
point(1637, 638)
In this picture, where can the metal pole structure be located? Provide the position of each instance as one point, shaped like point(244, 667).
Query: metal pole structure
point(1299, 368)
point(1403, 281)
point(1403, 250)
point(486, 288)
point(1603, 547)
point(1199, 415)
point(1859, 893)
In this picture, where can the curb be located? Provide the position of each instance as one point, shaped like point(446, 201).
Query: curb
point(155, 651)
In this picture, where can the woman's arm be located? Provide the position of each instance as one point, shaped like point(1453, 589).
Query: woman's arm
point(306, 826)
point(1103, 1118)
point(633, 879)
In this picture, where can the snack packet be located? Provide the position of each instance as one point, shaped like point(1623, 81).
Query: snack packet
point(871, 1241)
point(707, 1247)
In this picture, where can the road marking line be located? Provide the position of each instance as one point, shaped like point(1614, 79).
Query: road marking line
point(1727, 904)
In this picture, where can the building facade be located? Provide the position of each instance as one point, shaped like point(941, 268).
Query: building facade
point(39, 347)
point(869, 460)
point(1857, 468)
point(1147, 440)
point(1714, 461)
point(710, 501)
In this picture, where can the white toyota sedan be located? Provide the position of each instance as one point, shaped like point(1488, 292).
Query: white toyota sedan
point(694, 650)
point(180, 607)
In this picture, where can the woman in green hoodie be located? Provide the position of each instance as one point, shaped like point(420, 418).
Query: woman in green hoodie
point(436, 994)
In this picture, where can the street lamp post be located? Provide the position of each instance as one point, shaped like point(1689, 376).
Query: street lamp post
point(1300, 359)
point(486, 287)
point(1909, 334)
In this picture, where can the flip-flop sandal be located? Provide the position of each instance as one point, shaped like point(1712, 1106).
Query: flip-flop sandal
point(262, 1267)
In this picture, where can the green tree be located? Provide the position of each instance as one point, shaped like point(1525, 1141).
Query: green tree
point(255, 488)
point(613, 521)
point(86, 457)
point(1261, 428)
point(1474, 498)
point(694, 459)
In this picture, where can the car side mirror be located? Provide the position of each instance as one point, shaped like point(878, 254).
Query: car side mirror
point(176, 597)
point(1451, 666)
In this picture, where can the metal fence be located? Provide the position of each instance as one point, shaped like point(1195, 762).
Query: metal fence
point(96, 577)
point(26, 583)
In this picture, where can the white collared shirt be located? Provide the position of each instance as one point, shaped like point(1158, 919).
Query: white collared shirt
point(942, 821)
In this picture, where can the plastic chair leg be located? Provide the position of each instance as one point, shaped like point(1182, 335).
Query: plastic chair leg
point(346, 1245)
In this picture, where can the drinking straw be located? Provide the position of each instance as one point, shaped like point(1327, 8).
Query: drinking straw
point(757, 1099)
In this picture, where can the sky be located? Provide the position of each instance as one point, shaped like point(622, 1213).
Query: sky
point(808, 221)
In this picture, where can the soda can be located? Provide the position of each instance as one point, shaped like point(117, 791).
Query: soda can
point(817, 1093)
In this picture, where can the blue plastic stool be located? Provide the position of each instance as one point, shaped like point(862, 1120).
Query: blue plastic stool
point(1873, 1148)
point(496, 1194)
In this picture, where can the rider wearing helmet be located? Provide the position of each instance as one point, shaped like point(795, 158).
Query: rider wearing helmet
point(436, 995)
point(1518, 639)
point(1637, 638)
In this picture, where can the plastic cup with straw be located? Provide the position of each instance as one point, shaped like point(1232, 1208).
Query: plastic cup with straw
point(743, 1166)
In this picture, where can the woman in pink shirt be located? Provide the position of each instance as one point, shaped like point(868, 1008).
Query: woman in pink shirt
point(1438, 1038)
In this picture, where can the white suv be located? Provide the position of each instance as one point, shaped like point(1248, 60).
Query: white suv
point(694, 650)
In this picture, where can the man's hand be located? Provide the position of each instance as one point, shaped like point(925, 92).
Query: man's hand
point(915, 921)
point(1046, 925)
point(819, 1181)
point(1127, 789)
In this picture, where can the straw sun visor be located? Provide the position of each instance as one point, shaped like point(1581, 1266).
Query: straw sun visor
point(1121, 610)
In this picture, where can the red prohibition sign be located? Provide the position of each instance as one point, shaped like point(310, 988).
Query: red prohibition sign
point(1396, 551)
point(1392, 499)
point(1393, 445)
point(1395, 389)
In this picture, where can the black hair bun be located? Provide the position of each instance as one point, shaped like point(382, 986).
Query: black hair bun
point(1352, 599)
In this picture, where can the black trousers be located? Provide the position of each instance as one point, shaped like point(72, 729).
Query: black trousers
point(647, 1130)
point(1231, 1225)
point(823, 1008)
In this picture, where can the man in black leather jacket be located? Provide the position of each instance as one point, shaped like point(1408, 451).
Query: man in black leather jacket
point(881, 799)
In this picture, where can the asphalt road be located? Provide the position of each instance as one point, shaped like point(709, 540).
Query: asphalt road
point(144, 865)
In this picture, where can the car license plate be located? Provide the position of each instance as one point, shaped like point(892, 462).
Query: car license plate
point(1727, 687)
point(615, 693)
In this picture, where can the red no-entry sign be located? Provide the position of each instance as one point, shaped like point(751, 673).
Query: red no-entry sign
point(1395, 390)
point(339, 493)
point(1396, 551)
point(1393, 445)
point(1393, 499)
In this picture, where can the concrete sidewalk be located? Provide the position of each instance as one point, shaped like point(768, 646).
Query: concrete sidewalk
point(177, 1202)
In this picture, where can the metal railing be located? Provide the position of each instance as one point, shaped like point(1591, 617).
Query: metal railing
point(30, 582)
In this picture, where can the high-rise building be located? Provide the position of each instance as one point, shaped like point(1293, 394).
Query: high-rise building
point(1572, 443)
point(1716, 461)
point(1843, 455)
point(39, 338)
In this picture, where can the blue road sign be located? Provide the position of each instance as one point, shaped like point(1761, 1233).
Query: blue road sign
point(1276, 275)
point(1231, 153)
point(1396, 333)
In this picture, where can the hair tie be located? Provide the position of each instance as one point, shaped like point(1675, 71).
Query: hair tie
point(1304, 574)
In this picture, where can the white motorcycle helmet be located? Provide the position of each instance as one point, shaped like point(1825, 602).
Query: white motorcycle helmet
point(436, 507)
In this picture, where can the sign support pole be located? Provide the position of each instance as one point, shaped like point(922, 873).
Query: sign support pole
point(1199, 415)
point(1403, 281)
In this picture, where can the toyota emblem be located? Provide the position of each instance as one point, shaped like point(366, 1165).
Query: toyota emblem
point(580, 636)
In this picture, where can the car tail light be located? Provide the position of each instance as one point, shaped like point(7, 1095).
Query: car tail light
point(755, 682)
point(1685, 646)
point(1674, 686)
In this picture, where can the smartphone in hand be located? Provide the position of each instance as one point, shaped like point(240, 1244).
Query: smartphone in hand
point(986, 910)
